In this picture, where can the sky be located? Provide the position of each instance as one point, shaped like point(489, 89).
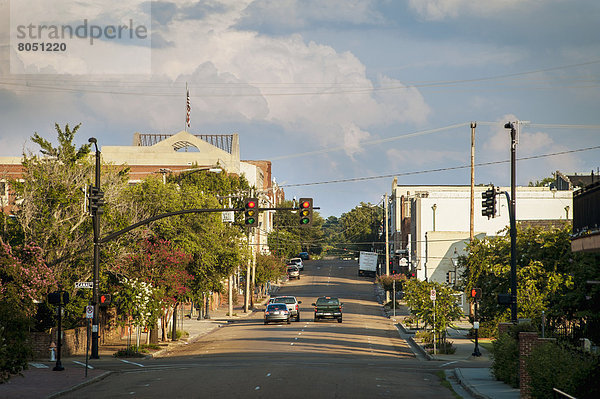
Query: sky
point(341, 95)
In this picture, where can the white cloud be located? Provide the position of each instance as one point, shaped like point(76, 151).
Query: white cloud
point(450, 9)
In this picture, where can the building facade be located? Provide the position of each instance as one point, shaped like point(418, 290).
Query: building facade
point(433, 222)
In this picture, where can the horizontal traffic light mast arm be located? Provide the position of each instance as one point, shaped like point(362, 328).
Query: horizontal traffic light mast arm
point(127, 229)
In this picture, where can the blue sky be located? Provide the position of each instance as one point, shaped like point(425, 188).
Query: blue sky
point(333, 90)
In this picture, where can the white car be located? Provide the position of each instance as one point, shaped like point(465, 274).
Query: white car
point(298, 262)
point(292, 305)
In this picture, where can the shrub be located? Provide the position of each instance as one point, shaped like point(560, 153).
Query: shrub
point(505, 354)
point(15, 350)
point(555, 366)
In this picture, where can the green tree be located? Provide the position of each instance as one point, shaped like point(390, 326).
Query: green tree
point(361, 227)
point(550, 277)
point(288, 237)
point(446, 310)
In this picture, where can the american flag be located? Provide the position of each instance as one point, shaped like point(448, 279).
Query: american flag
point(188, 109)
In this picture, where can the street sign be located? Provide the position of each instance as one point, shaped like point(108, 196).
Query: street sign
point(227, 217)
point(84, 284)
point(432, 294)
point(89, 312)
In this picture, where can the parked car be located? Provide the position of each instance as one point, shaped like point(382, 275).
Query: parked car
point(328, 307)
point(293, 272)
point(292, 304)
point(304, 256)
point(297, 262)
point(277, 312)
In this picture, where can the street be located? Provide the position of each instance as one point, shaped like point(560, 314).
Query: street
point(361, 357)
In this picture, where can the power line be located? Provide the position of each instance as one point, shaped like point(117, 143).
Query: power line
point(355, 179)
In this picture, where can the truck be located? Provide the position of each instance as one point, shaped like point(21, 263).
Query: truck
point(367, 263)
point(328, 307)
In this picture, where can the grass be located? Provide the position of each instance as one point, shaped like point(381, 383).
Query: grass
point(487, 345)
point(445, 383)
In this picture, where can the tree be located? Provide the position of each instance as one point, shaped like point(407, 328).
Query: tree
point(24, 280)
point(550, 277)
point(288, 237)
point(447, 308)
point(361, 226)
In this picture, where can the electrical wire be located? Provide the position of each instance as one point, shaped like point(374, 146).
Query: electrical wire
point(357, 179)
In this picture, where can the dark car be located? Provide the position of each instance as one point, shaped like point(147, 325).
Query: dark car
point(304, 256)
point(328, 307)
point(277, 312)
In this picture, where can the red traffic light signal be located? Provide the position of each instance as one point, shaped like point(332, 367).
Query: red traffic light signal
point(251, 212)
point(476, 293)
point(305, 211)
point(105, 299)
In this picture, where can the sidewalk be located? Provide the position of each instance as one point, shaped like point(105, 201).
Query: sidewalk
point(473, 373)
point(41, 381)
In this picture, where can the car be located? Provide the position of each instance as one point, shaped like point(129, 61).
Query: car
point(292, 304)
point(304, 256)
point(297, 262)
point(328, 307)
point(293, 272)
point(277, 312)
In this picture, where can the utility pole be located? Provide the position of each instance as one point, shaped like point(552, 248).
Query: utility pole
point(96, 224)
point(387, 246)
point(472, 221)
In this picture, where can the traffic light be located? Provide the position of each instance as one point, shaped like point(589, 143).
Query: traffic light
point(306, 209)
point(251, 212)
point(476, 293)
point(489, 202)
point(105, 299)
point(96, 200)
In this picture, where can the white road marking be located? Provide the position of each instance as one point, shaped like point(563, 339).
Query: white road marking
point(134, 363)
point(83, 364)
point(257, 388)
point(39, 365)
point(268, 374)
point(445, 364)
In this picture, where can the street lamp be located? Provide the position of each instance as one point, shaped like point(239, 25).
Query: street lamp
point(455, 263)
point(434, 207)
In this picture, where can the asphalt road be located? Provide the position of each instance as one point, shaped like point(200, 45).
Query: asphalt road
point(363, 357)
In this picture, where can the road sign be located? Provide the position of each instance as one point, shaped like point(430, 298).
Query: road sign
point(84, 284)
point(432, 294)
point(89, 312)
point(227, 217)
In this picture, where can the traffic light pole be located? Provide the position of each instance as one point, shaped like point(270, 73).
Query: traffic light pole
point(513, 228)
point(96, 224)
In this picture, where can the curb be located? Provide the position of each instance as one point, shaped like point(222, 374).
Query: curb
point(471, 390)
point(80, 385)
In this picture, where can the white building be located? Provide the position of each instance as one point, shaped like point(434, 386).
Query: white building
point(433, 222)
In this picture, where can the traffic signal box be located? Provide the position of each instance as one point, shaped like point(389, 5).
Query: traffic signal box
point(58, 298)
point(476, 293)
point(96, 200)
point(251, 212)
point(305, 206)
point(489, 202)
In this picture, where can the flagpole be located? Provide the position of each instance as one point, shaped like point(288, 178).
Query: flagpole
point(187, 108)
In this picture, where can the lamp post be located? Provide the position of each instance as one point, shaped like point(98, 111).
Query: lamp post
point(96, 281)
point(455, 263)
point(433, 208)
